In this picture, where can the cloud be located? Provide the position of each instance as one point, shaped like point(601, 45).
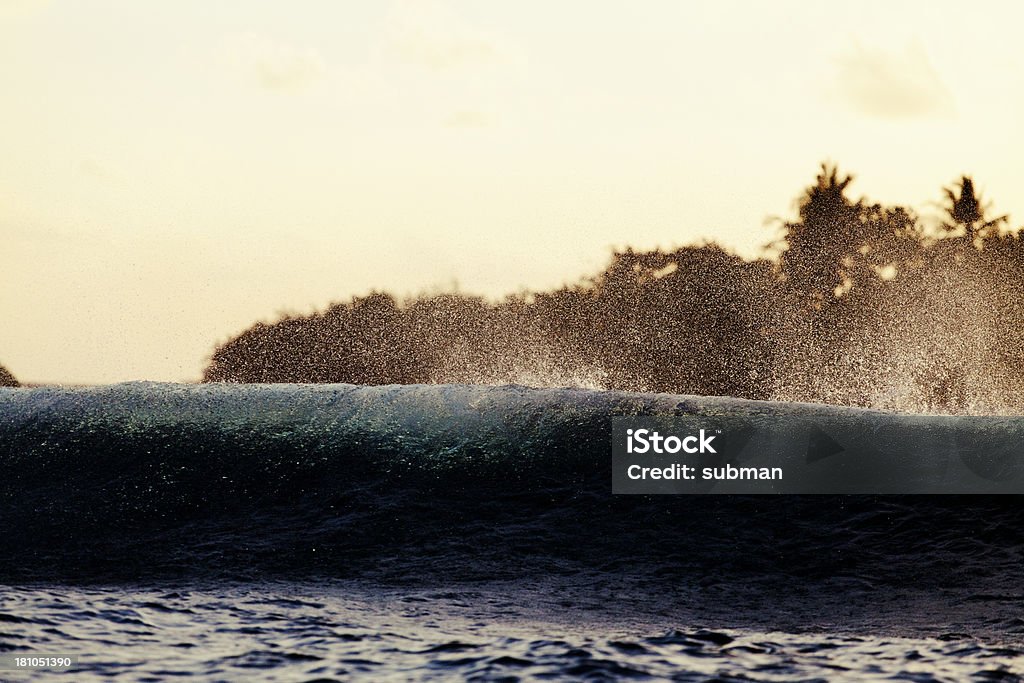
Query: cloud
point(271, 64)
point(430, 34)
point(892, 85)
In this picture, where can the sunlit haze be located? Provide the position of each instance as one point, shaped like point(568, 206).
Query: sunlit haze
point(172, 172)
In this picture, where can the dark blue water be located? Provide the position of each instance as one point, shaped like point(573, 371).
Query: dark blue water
point(407, 533)
point(328, 630)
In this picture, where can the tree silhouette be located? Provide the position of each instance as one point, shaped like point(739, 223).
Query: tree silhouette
point(966, 214)
point(827, 232)
point(7, 379)
point(863, 306)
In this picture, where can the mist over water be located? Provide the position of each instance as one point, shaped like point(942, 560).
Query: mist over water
point(943, 344)
point(860, 305)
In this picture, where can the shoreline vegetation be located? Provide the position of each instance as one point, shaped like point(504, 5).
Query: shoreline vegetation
point(7, 379)
point(858, 304)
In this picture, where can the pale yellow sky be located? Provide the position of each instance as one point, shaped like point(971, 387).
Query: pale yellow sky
point(171, 172)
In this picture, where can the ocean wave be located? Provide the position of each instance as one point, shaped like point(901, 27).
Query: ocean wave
point(402, 482)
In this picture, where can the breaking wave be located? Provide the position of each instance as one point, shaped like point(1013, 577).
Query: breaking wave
point(412, 483)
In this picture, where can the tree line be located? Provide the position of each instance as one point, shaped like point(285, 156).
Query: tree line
point(857, 303)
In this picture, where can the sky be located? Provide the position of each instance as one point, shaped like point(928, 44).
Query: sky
point(172, 172)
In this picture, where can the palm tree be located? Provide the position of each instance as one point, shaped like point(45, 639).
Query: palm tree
point(825, 232)
point(965, 212)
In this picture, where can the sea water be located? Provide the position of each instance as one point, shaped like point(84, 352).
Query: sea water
point(432, 533)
